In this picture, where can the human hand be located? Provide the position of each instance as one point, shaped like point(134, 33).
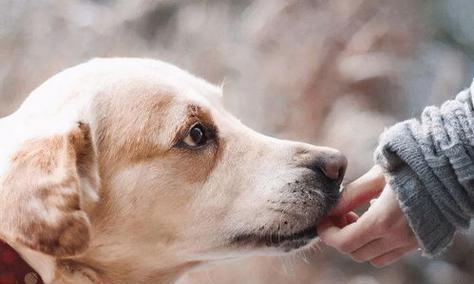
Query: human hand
point(381, 235)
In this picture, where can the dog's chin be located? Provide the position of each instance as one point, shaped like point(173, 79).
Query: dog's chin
point(288, 241)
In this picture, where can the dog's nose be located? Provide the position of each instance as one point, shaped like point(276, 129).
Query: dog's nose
point(330, 162)
point(334, 166)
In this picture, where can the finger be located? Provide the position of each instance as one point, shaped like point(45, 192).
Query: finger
point(324, 225)
point(344, 220)
point(339, 221)
point(374, 249)
point(361, 191)
point(391, 256)
point(349, 238)
point(351, 217)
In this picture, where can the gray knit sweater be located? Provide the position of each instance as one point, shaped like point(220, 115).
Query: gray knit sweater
point(430, 165)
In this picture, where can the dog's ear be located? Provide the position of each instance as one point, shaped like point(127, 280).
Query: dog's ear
point(43, 190)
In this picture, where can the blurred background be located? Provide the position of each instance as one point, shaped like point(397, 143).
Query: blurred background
point(326, 72)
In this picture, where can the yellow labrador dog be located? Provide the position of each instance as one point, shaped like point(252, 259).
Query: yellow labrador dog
point(131, 171)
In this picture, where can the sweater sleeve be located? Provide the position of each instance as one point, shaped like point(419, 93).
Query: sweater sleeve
point(429, 164)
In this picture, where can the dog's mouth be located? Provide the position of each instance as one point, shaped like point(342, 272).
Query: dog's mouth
point(285, 242)
point(288, 240)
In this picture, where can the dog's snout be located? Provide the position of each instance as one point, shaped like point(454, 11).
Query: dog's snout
point(334, 166)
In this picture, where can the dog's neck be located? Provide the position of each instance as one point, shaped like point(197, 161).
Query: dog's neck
point(128, 271)
point(88, 271)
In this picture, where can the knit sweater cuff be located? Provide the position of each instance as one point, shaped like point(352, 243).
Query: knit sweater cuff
point(402, 159)
point(432, 231)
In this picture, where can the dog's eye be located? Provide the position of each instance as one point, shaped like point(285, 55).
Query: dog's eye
point(197, 136)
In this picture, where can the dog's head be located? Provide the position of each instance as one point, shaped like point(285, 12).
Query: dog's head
point(137, 157)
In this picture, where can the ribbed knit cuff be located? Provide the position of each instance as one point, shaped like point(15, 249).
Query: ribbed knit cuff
point(433, 232)
point(403, 161)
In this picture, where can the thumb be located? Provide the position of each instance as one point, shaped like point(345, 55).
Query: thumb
point(360, 192)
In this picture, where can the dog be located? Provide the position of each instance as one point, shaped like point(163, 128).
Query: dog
point(124, 170)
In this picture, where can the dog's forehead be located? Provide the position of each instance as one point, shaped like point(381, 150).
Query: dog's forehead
point(159, 77)
point(70, 93)
point(158, 72)
point(150, 81)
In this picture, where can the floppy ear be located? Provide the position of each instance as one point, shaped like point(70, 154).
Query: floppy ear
point(42, 192)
